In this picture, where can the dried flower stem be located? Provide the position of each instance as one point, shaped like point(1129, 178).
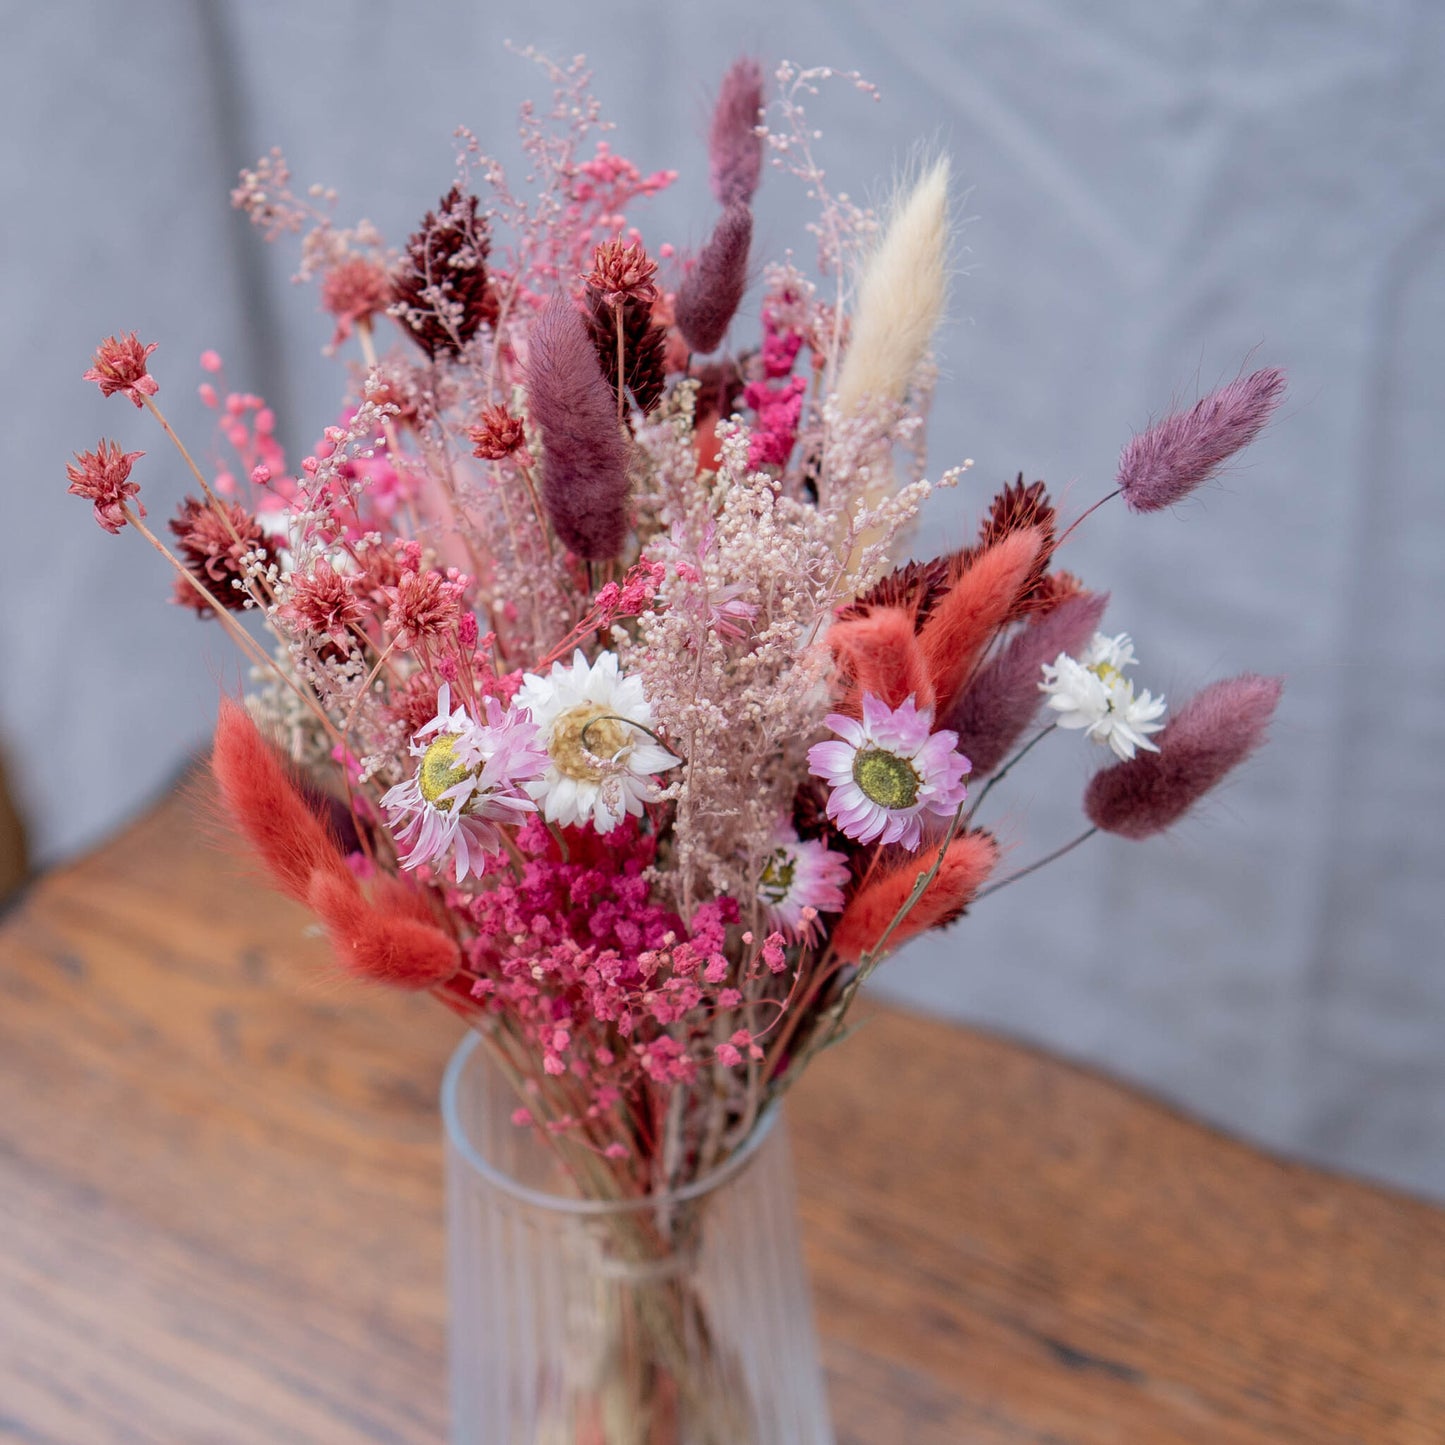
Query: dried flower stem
point(1003, 772)
point(1035, 866)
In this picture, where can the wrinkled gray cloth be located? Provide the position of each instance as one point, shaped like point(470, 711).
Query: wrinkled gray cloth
point(1156, 193)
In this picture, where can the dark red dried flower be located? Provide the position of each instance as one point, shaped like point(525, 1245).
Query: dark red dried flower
point(213, 548)
point(323, 601)
point(1054, 589)
point(442, 293)
point(103, 478)
point(498, 434)
point(622, 273)
point(120, 365)
point(1015, 507)
point(354, 290)
point(915, 587)
point(644, 346)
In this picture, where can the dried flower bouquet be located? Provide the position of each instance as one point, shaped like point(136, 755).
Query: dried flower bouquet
point(593, 697)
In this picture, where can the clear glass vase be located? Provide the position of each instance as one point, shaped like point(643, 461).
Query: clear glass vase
point(679, 1319)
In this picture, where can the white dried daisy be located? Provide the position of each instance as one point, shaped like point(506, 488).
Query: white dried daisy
point(1091, 693)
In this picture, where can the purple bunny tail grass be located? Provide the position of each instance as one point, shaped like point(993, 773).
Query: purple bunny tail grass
point(735, 150)
point(1167, 462)
point(1000, 703)
point(584, 455)
point(710, 293)
point(1215, 731)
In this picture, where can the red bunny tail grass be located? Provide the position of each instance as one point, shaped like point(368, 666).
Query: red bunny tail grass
point(992, 712)
point(1167, 462)
point(735, 150)
point(1215, 731)
point(979, 602)
point(384, 943)
point(711, 292)
point(968, 862)
point(584, 456)
point(268, 808)
point(879, 654)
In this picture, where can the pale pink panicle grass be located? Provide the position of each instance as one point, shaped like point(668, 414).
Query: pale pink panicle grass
point(1208, 737)
point(711, 292)
point(735, 149)
point(584, 456)
point(119, 365)
point(102, 477)
point(1163, 465)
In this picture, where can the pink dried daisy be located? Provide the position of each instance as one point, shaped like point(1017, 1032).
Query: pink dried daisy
point(890, 772)
point(468, 782)
point(103, 478)
point(120, 365)
point(801, 878)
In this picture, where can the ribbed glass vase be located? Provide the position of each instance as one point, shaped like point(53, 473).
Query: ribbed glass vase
point(679, 1319)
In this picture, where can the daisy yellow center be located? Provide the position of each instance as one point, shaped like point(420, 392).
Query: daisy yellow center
point(579, 759)
point(440, 771)
point(778, 874)
point(885, 778)
point(1106, 672)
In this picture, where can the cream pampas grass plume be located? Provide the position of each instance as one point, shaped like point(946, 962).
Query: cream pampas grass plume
point(900, 295)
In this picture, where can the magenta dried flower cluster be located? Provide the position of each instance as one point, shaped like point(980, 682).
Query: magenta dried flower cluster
point(587, 612)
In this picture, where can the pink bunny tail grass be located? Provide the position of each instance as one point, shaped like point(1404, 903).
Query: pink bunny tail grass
point(1167, 462)
point(878, 653)
point(1215, 731)
point(584, 455)
point(711, 292)
point(382, 941)
point(992, 714)
point(735, 150)
point(968, 862)
point(979, 601)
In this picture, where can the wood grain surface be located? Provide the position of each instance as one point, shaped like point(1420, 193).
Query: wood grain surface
point(221, 1213)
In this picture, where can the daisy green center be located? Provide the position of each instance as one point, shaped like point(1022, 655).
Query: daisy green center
point(581, 760)
point(885, 778)
point(440, 771)
point(777, 878)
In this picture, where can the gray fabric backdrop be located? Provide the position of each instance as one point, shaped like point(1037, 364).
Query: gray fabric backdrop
point(1156, 192)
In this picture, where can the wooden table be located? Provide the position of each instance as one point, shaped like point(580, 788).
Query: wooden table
point(221, 1213)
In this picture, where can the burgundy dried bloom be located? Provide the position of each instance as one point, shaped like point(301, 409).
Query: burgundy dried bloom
point(914, 587)
point(644, 347)
point(323, 602)
point(214, 548)
point(354, 290)
point(1215, 731)
point(1014, 507)
point(999, 704)
point(1055, 588)
point(498, 434)
point(120, 365)
point(1168, 461)
point(103, 478)
point(735, 149)
point(622, 273)
point(584, 454)
point(711, 292)
point(423, 608)
point(442, 294)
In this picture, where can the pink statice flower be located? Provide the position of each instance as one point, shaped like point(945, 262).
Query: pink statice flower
point(102, 477)
point(890, 772)
point(120, 365)
point(470, 779)
point(801, 878)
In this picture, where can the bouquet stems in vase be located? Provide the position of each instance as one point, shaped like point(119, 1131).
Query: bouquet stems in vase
point(594, 697)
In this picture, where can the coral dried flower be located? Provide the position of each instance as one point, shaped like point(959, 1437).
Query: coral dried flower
point(497, 435)
point(622, 272)
point(354, 290)
point(423, 608)
point(323, 601)
point(103, 478)
point(120, 365)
